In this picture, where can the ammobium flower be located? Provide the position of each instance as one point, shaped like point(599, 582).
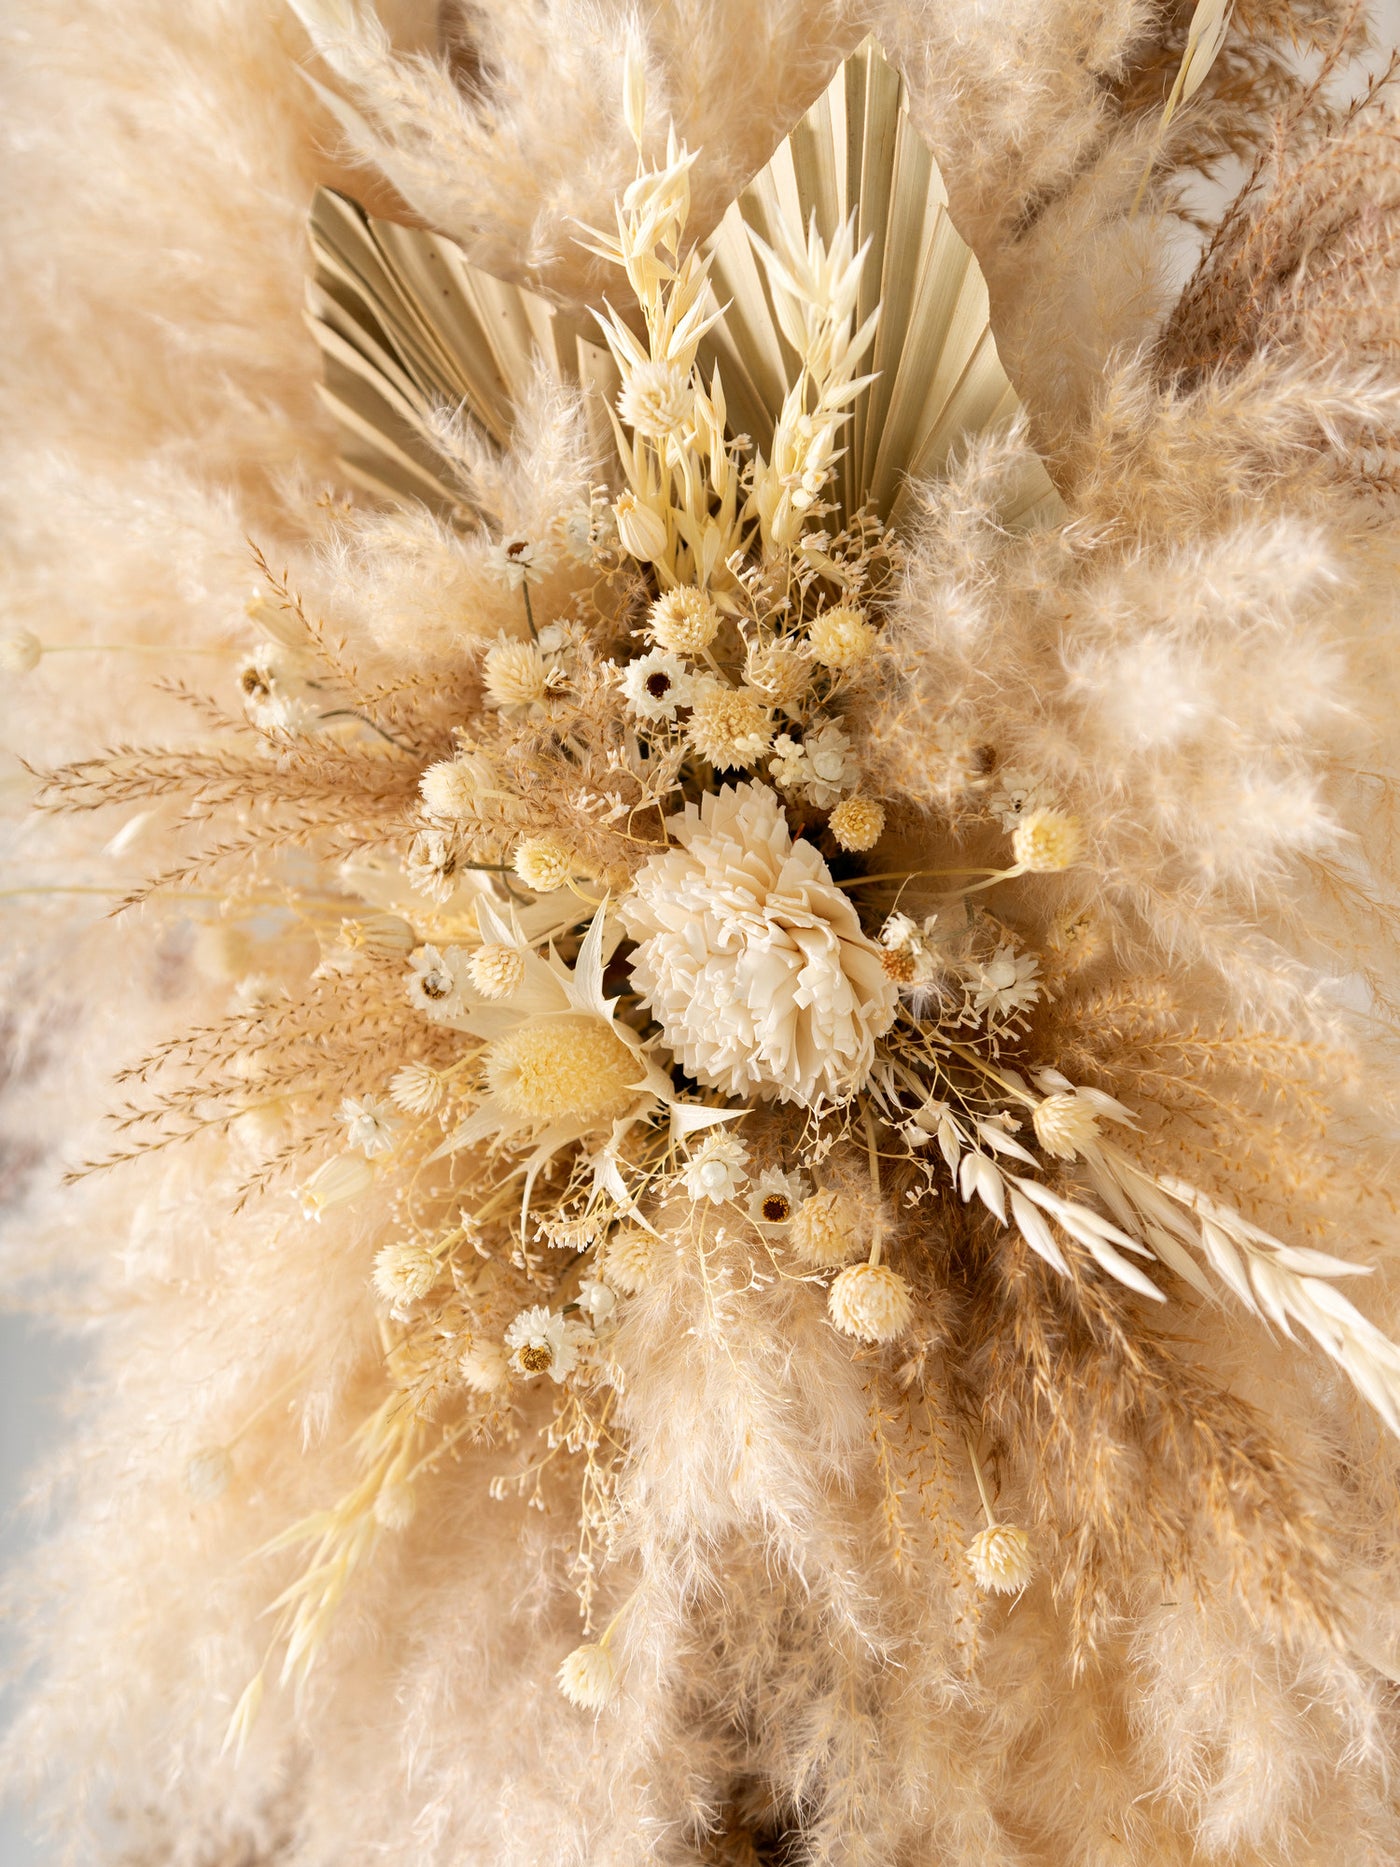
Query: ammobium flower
point(752, 960)
point(519, 561)
point(1046, 840)
point(368, 1124)
point(540, 1341)
point(775, 1197)
point(431, 984)
point(717, 1169)
point(684, 621)
point(1000, 1559)
point(870, 1301)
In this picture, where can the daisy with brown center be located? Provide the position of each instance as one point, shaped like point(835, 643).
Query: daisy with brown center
point(655, 684)
point(775, 1198)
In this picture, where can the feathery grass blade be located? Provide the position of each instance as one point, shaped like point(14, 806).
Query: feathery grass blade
point(937, 378)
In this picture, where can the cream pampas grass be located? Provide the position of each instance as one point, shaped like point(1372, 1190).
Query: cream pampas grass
point(700, 997)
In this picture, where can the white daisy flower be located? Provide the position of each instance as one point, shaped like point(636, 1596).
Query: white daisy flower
point(1017, 793)
point(1006, 984)
point(655, 684)
point(540, 1341)
point(274, 696)
point(775, 1197)
point(717, 1169)
point(368, 1124)
point(519, 560)
point(431, 985)
point(431, 867)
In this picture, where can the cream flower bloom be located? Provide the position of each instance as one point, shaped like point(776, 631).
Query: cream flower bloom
point(752, 960)
point(516, 674)
point(683, 621)
point(655, 684)
point(541, 1341)
point(496, 969)
point(717, 1169)
point(656, 399)
point(871, 1302)
point(368, 1124)
point(1000, 1559)
point(587, 1677)
point(633, 1259)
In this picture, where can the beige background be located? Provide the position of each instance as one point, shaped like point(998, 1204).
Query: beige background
point(35, 1370)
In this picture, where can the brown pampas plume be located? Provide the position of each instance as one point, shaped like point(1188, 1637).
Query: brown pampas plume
point(700, 1003)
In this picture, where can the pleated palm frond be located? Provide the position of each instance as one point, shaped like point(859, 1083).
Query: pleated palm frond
point(408, 326)
point(938, 378)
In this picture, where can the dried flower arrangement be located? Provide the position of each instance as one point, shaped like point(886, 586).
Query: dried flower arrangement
point(753, 1252)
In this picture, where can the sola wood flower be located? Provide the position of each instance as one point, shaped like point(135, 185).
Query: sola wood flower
point(752, 960)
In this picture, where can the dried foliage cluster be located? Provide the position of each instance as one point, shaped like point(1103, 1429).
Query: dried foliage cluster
point(746, 1217)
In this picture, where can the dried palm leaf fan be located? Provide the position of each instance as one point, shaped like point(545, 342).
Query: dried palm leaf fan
point(408, 327)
